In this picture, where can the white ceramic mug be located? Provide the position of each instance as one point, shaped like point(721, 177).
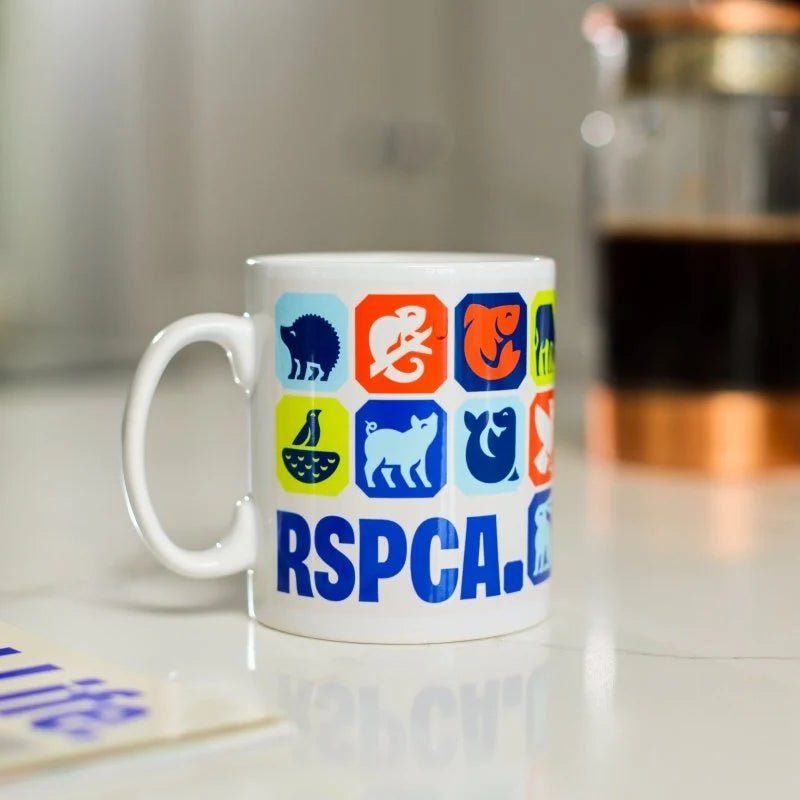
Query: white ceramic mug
point(401, 444)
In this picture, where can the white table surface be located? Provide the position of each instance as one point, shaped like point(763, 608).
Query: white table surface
point(670, 666)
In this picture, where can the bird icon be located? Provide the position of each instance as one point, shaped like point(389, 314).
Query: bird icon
point(302, 460)
point(309, 434)
point(543, 419)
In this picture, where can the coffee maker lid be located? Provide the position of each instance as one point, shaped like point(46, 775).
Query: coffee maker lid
point(727, 47)
point(721, 16)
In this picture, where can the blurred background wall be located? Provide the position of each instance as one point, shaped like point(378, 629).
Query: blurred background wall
point(148, 146)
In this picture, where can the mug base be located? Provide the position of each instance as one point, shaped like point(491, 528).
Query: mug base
point(388, 630)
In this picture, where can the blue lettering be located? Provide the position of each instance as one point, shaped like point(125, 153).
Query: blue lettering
point(383, 551)
point(481, 535)
point(424, 586)
point(83, 724)
point(21, 672)
point(371, 570)
point(66, 694)
point(78, 709)
point(343, 568)
point(293, 559)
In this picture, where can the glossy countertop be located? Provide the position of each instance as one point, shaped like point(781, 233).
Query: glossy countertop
point(670, 666)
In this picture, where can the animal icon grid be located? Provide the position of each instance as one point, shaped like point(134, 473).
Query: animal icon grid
point(401, 346)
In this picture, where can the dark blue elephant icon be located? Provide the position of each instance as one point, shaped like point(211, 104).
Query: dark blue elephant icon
point(544, 341)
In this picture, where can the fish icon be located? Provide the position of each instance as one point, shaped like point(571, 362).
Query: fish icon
point(488, 340)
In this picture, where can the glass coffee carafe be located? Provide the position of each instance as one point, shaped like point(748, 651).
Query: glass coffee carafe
point(694, 176)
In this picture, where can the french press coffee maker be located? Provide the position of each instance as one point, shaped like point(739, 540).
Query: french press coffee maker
point(694, 165)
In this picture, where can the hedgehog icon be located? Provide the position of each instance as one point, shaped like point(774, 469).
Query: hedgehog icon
point(313, 345)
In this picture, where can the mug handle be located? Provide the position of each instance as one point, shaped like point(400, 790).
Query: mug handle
point(236, 551)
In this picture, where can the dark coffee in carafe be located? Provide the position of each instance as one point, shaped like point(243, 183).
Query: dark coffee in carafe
point(710, 304)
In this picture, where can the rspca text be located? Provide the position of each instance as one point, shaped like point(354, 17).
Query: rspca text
point(359, 558)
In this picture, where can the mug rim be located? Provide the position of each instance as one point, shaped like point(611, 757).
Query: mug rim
point(422, 259)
